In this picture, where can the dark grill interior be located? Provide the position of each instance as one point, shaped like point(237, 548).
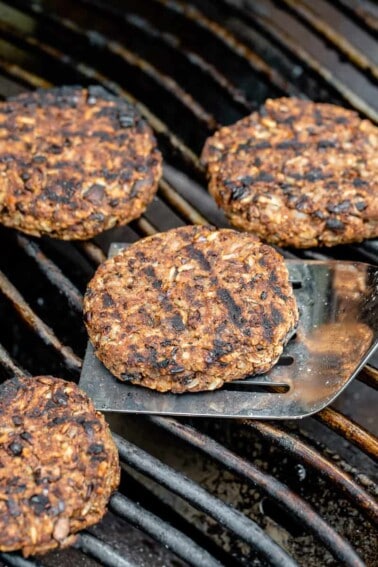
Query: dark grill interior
point(254, 493)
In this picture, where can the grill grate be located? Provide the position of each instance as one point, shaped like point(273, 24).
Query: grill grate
point(242, 52)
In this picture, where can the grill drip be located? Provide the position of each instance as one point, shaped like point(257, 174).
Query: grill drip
point(190, 67)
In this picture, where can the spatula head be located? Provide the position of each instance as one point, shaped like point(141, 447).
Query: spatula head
point(337, 333)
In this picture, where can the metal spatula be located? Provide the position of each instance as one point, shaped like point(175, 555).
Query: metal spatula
point(337, 333)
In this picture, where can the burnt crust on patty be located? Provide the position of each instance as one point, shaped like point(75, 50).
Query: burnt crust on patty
point(59, 464)
point(297, 173)
point(74, 162)
point(191, 308)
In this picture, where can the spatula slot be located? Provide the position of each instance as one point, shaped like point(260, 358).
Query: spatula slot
point(250, 387)
point(285, 360)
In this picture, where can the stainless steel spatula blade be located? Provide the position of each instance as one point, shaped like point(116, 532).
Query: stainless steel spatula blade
point(337, 333)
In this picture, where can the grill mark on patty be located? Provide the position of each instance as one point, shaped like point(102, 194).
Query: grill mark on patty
point(196, 254)
point(176, 320)
point(233, 309)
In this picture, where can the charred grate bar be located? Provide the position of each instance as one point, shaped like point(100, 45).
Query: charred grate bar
point(293, 503)
point(53, 44)
point(165, 533)
point(184, 487)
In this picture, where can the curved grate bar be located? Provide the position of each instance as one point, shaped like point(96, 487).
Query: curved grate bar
point(101, 551)
point(100, 41)
point(145, 226)
point(284, 39)
point(93, 251)
point(272, 76)
point(11, 367)
point(32, 80)
point(145, 26)
point(161, 531)
point(369, 376)
point(169, 84)
point(292, 445)
point(39, 327)
point(274, 488)
point(53, 273)
point(303, 11)
point(227, 516)
point(356, 11)
point(350, 430)
point(172, 197)
point(18, 561)
point(26, 78)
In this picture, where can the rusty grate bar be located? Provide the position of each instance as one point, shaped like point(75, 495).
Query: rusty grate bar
point(357, 11)
point(350, 430)
point(281, 36)
point(145, 26)
point(369, 376)
point(272, 76)
point(53, 273)
point(274, 488)
point(240, 525)
point(39, 327)
point(93, 251)
point(161, 531)
point(145, 226)
point(9, 364)
point(173, 198)
point(100, 41)
point(306, 13)
point(26, 78)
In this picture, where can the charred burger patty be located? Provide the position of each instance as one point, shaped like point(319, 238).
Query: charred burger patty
point(59, 464)
point(297, 173)
point(74, 162)
point(190, 309)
